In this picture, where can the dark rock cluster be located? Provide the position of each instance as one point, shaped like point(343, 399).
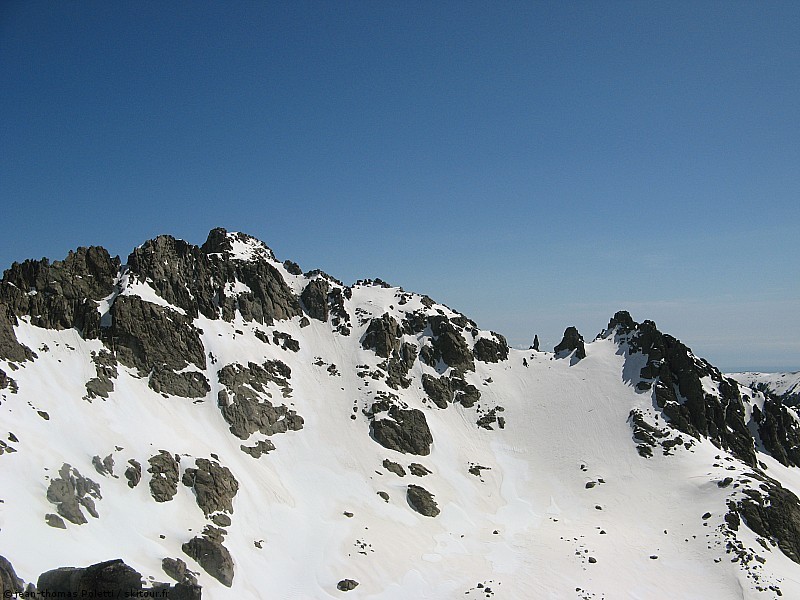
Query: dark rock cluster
point(244, 403)
point(71, 492)
point(211, 555)
point(158, 342)
point(214, 486)
point(445, 390)
point(165, 472)
point(675, 375)
point(57, 295)
point(422, 501)
point(403, 430)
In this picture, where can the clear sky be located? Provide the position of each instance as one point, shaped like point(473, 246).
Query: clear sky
point(532, 164)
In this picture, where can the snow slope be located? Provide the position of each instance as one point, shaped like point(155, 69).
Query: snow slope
point(564, 505)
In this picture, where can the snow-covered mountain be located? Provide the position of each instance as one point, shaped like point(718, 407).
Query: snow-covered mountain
point(783, 386)
point(212, 413)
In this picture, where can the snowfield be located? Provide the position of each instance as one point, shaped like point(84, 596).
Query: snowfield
point(562, 506)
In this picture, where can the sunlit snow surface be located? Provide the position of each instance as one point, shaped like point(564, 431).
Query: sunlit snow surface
point(525, 528)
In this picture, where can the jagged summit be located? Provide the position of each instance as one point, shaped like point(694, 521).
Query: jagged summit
point(214, 416)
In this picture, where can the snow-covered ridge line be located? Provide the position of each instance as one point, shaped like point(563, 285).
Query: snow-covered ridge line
point(269, 429)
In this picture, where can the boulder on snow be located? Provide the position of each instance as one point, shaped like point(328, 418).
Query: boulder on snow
point(421, 500)
point(405, 431)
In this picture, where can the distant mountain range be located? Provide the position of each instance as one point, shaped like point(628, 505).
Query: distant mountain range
point(210, 421)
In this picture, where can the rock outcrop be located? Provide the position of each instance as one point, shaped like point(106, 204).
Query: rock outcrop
point(61, 294)
point(445, 390)
point(491, 350)
point(214, 486)
point(211, 555)
point(571, 342)
point(676, 376)
point(244, 403)
point(404, 431)
point(315, 299)
point(111, 578)
point(10, 584)
point(422, 501)
point(158, 342)
point(164, 470)
point(70, 492)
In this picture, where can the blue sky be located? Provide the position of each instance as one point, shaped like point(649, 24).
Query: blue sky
point(534, 165)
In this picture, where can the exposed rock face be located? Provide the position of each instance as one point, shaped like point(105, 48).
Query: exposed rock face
point(189, 384)
point(491, 351)
point(572, 341)
point(245, 406)
point(675, 374)
point(147, 336)
point(394, 467)
point(10, 348)
point(112, 577)
point(70, 492)
point(62, 294)
point(398, 365)
point(450, 346)
point(779, 431)
point(10, 584)
point(104, 466)
point(212, 556)
point(214, 486)
point(418, 470)
point(177, 569)
point(445, 390)
point(261, 447)
point(106, 367)
point(421, 500)
point(164, 469)
point(382, 336)
point(315, 299)
point(773, 514)
point(405, 431)
point(196, 279)
point(133, 473)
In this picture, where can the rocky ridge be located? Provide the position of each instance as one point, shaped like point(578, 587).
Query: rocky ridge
point(225, 325)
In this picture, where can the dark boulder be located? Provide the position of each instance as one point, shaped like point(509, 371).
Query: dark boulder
point(491, 351)
point(177, 570)
point(444, 390)
point(212, 556)
point(188, 384)
point(422, 501)
point(133, 473)
point(214, 486)
point(394, 467)
point(345, 585)
point(111, 578)
point(404, 431)
point(571, 342)
point(164, 470)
